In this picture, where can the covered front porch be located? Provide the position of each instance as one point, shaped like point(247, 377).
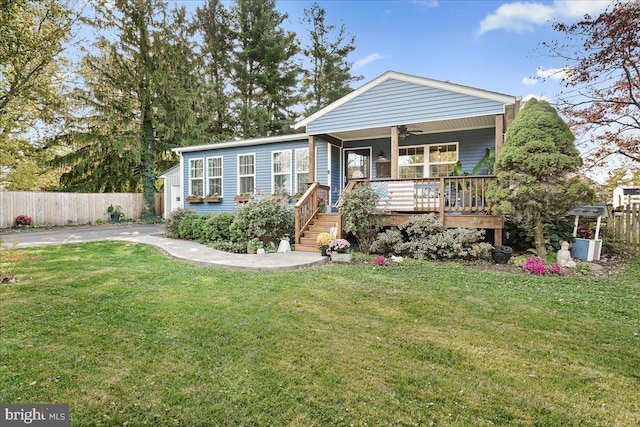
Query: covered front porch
point(419, 143)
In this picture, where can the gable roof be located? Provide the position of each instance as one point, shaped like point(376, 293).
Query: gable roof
point(415, 80)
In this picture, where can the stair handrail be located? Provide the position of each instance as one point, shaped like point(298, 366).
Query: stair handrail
point(306, 209)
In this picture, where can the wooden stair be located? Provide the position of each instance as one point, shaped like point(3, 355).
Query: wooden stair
point(322, 223)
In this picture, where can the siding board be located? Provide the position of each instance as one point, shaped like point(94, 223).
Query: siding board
point(395, 102)
point(263, 178)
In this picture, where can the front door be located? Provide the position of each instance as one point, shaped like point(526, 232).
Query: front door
point(174, 198)
point(357, 163)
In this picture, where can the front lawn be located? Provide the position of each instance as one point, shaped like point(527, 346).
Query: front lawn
point(126, 336)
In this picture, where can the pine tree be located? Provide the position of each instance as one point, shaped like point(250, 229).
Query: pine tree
point(264, 73)
point(213, 23)
point(536, 171)
point(329, 77)
point(141, 99)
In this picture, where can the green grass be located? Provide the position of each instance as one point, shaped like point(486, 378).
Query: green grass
point(125, 335)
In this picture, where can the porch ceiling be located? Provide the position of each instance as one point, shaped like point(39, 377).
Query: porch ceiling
point(467, 123)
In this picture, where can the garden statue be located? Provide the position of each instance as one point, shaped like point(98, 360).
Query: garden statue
point(563, 257)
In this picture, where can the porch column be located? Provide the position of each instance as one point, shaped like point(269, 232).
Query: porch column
point(499, 133)
point(312, 158)
point(394, 152)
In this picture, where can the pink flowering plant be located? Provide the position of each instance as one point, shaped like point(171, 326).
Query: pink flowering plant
point(339, 246)
point(380, 260)
point(556, 269)
point(535, 266)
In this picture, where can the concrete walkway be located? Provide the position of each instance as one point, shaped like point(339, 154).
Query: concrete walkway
point(183, 250)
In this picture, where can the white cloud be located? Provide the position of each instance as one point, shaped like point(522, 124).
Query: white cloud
point(538, 97)
point(529, 81)
point(521, 17)
point(554, 73)
point(368, 59)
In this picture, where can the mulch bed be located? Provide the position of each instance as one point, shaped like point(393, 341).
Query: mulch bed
point(605, 267)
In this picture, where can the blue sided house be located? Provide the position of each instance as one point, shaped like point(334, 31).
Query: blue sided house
point(413, 139)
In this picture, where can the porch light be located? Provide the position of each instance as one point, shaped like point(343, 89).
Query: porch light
point(381, 156)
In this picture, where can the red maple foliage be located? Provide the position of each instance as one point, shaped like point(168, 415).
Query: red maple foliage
point(603, 80)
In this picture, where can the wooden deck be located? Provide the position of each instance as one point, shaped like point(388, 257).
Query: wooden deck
point(459, 201)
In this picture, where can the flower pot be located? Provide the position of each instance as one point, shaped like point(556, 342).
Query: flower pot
point(260, 251)
point(115, 217)
point(194, 199)
point(337, 257)
point(501, 254)
point(213, 199)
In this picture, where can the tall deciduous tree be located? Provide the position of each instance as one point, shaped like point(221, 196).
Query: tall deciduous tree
point(213, 23)
point(602, 56)
point(264, 72)
point(328, 77)
point(32, 92)
point(535, 171)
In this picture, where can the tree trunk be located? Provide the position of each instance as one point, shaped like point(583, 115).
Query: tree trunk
point(538, 237)
point(148, 165)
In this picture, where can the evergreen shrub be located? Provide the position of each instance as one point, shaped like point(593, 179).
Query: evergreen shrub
point(173, 222)
point(424, 237)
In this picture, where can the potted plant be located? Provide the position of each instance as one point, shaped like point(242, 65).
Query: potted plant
point(253, 245)
point(323, 240)
point(115, 212)
point(194, 198)
point(213, 198)
point(340, 250)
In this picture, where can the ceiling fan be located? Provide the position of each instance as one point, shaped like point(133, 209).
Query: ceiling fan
point(403, 132)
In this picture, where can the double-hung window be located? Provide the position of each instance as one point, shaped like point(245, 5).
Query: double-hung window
point(196, 177)
point(281, 169)
point(442, 159)
point(246, 173)
point(214, 176)
point(411, 162)
point(427, 161)
point(302, 169)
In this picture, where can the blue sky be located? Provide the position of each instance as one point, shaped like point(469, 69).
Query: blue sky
point(489, 44)
point(493, 45)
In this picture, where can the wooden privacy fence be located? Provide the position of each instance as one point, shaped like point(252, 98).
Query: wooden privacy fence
point(69, 208)
point(627, 226)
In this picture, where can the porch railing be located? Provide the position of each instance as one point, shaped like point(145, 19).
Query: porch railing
point(308, 206)
point(452, 194)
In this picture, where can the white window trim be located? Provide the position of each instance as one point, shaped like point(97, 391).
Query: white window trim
point(296, 171)
point(203, 175)
point(426, 164)
point(273, 174)
point(207, 177)
point(345, 154)
point(243, 176)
